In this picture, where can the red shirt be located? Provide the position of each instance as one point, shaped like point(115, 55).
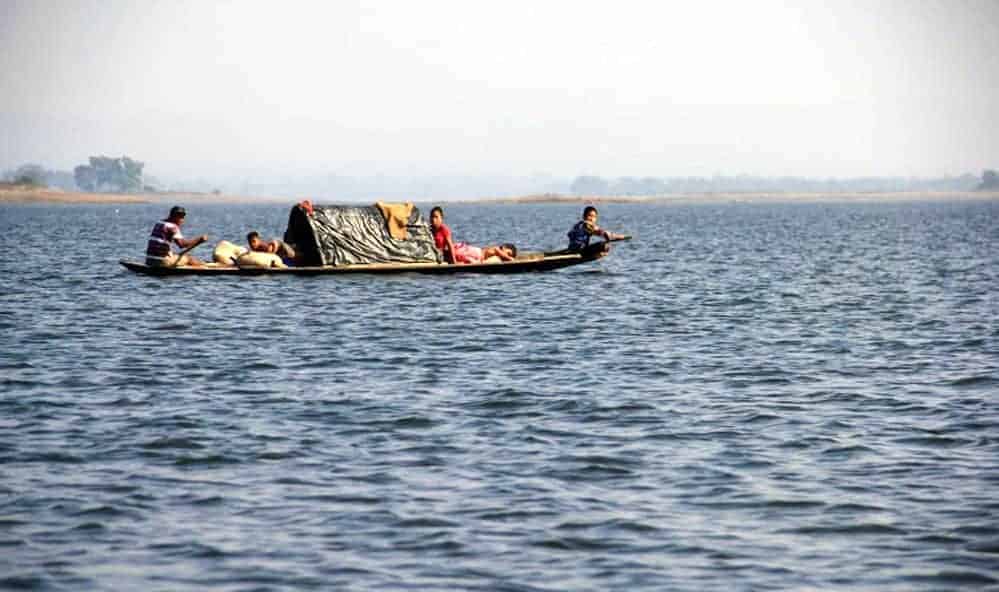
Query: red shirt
point(442, 234)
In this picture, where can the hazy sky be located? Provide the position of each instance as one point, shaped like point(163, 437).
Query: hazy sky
point(811, 88)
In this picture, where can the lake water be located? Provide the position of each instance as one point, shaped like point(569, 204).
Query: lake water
point(746, 396)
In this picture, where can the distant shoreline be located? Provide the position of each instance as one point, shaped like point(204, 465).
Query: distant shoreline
point(754, 197)
point(27, 195)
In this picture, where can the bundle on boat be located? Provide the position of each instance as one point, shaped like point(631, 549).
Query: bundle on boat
point(338, 235)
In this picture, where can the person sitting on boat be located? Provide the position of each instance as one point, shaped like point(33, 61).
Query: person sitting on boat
point(278, 247)
point(442, 234)
point(166, 233)
point(458, 253)
point(579, 236)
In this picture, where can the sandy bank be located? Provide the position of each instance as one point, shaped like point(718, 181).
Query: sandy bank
point(25, 194)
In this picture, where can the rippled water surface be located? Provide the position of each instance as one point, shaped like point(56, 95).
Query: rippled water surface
point(743, 397)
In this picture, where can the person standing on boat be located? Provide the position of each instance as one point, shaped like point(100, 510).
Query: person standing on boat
point(166, 233)
point(579, 236)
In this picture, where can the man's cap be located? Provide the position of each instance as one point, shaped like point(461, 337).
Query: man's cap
point(178, 212)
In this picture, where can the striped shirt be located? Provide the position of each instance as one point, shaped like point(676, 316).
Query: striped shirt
point(164, 233)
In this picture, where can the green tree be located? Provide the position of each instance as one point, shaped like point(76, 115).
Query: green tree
point(110, 174)
point(28, 174)
point(132, 174)
point(86, 177)
point(990, 180)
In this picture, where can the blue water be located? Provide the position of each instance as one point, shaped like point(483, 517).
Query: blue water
point(745, 397)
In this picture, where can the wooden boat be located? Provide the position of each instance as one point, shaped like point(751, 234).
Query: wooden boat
point(526, 262)
point(339, 239)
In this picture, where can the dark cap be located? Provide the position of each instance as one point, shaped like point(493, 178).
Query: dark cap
point(178, 212)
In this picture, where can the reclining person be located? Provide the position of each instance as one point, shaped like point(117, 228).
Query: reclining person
point(465, 253)
point(280, 248)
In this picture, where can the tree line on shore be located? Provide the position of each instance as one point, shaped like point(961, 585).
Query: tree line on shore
point(101, 174)
point(125, 175)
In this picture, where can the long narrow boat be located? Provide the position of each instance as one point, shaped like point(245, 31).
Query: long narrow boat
point(526, 262)
point(379, 239)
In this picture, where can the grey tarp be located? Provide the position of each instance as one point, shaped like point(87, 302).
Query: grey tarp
point(348, 235)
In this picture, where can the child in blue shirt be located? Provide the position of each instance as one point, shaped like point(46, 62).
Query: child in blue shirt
point(579, 236)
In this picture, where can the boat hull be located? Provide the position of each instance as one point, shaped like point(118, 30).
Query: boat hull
point(540, 262)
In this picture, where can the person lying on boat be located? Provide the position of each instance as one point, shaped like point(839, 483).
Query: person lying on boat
point(280, 248)
point(579, 236)
point(464, 253)
point(166, 233)
point(468, 254)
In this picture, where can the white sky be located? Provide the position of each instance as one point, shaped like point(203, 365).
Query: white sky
point(657, 88)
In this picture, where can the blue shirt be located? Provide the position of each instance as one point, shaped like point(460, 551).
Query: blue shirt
point(579, 236)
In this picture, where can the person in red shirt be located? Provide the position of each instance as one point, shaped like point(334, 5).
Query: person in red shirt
point(457, 253)
point(442, 234)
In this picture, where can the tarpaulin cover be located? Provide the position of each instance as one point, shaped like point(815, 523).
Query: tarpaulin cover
point(349, 235)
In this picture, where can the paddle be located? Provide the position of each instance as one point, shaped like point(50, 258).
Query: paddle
point(604, 245)
point(180, 255)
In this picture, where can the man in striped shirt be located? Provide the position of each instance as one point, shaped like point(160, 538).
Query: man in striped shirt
point(167, 232)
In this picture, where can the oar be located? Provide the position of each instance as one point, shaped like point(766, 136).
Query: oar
point(600, 248)
point(185, 252)
point(607, 241)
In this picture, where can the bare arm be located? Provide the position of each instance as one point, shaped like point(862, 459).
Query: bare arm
point(500, 252)
point(186, 243)
point(449, 249)
point(607, 234)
